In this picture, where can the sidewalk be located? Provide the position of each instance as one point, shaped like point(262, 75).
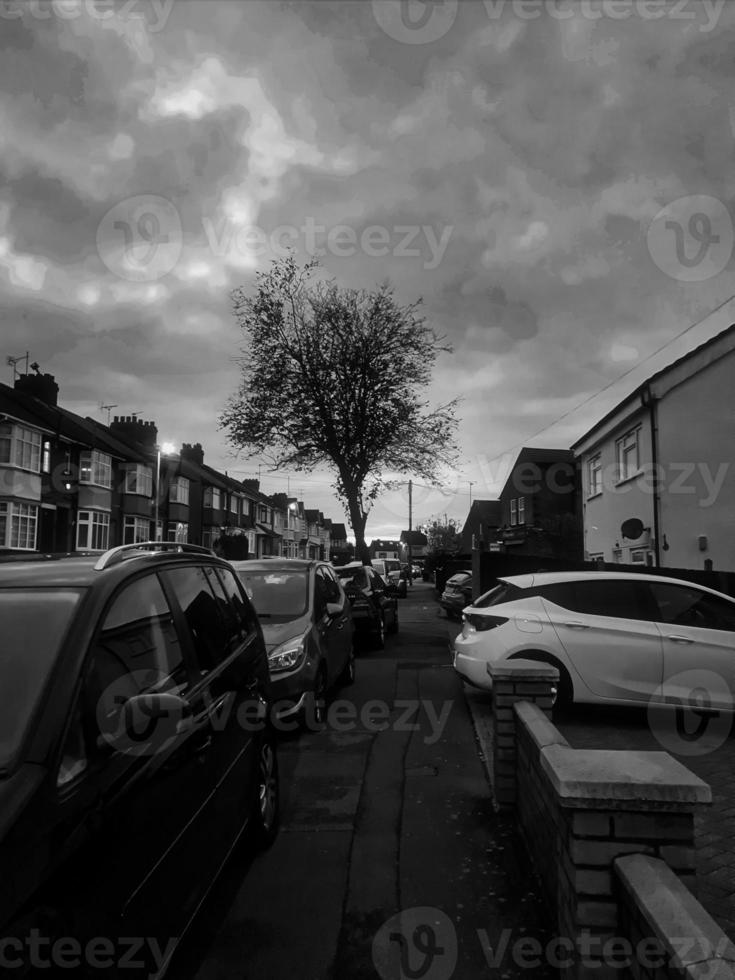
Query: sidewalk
point(391, 861)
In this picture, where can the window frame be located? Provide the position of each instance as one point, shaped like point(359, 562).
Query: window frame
point(621, 454)
point(91, 524)
point(594, 476)
point(178, 491)
point(139, 480)
point(12, 511)
point(95, 468)
point(19, 438)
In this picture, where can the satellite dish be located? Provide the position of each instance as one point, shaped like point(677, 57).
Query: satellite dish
point(632, 529)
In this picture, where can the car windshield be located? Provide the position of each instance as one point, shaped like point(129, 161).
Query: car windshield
point(355, 577)
point(280, 595)
point(33, 623)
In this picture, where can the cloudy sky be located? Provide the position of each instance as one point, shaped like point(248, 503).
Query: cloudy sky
point(554, 179)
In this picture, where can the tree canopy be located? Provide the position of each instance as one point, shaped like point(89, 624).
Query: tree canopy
point(335, 377)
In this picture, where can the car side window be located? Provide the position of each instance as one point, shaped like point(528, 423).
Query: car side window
point(231, 624)
point(377, 584)
point(137, 650)
point(683, 605)
point(332, 584)
point(240, 603)
point(616, 598)
point(325, 592)
point(203, 616)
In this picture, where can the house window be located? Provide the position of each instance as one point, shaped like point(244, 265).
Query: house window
point(95, 468)
point(211, 499)
point(178, 492)
point(521, 510)
point(20, 446)
point(178, 532)
point(139, 479)
point(263, 514)
point(517, 511)
point(234, 504)
point(628, 457)
point(594, 475)
point(208, 536)
point(46, 459)
point(18, 525)
point(136, 529)
point(93, 530)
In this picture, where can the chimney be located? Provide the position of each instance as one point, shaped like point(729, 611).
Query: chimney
point(41, 386)
point(195, 453)
point(251, 484)
point(132, 429)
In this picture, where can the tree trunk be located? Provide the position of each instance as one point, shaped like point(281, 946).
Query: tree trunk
point(358, 520)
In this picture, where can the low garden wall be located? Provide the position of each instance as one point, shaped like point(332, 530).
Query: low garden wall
point(611, 834)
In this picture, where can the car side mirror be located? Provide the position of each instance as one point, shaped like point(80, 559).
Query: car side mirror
point(152, 719)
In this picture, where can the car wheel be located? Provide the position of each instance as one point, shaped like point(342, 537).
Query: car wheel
point(379, 636)
point(347, 676)
point(267, 805)
point(564, 691)
point(320, 697)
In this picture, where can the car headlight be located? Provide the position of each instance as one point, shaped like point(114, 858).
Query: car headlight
point(287, 655)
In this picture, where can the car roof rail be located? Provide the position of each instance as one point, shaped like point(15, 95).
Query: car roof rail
point(116, 555)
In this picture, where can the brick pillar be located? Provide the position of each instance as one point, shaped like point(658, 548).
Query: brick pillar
point(515, 680)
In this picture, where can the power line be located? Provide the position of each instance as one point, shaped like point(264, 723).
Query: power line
point(610, 384)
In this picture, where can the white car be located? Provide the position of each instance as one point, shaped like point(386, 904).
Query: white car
point(615, 637)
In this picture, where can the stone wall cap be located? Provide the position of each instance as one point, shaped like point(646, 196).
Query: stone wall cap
point(542, 731)
point(674, 915)
point(582, 777)
point(526, 670)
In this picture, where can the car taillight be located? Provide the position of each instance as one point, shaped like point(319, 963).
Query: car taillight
point(479, 624)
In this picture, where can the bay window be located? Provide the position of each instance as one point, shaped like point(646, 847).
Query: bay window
point(95, 468)
point(18, 525)
point(136, 529)
point(139, 480)
point(20, 446)
point(178, 492)
point(93, 530)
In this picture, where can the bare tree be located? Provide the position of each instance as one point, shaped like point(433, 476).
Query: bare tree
point(334, 377)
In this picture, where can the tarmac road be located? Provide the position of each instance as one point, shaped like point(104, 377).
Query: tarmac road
point(388, 810)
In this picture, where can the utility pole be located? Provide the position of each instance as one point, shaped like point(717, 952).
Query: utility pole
point(410, 532)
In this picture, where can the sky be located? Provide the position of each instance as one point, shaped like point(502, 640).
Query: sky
point(554, 180)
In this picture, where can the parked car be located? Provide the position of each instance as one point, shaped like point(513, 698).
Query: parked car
point(457, 594)
point(308, 629)
point(135, 747)
point(374, 608)
point(416, 571)
point(389, 570)
point(621, 638)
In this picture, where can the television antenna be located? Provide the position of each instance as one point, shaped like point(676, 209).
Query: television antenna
point(13, 361)
point(108, 409)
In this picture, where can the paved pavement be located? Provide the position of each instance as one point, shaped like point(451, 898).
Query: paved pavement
point(707, 748)
point(377, 823)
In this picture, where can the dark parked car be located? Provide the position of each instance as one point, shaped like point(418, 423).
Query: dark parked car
point(374, 603)
point(134, 750)
point(307, 624)
point(457, 594)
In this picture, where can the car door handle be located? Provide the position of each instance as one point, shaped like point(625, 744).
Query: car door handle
point(575, 625)
point(679, 639)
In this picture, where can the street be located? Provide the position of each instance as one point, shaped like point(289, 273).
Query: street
point(375, 822)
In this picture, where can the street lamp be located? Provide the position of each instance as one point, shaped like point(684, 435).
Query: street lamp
point(165, 449)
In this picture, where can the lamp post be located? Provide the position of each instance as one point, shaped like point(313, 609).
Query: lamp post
point(164, 448)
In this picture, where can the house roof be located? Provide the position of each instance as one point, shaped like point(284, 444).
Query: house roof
point(339, 532)
point(414, 537)
point(637, 392)
point(485, 512)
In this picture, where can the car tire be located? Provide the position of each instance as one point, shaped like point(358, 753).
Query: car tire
point(379, 634)
point(347, 676)
point(267, 803)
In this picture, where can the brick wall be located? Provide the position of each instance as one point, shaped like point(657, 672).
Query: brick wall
point(580, 810)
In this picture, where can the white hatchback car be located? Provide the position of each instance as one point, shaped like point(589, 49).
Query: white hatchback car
point(615, 637)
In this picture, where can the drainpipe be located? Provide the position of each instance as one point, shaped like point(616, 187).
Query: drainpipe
point(649, 401)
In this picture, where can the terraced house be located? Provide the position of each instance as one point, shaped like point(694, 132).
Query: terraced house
point(70, 483)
